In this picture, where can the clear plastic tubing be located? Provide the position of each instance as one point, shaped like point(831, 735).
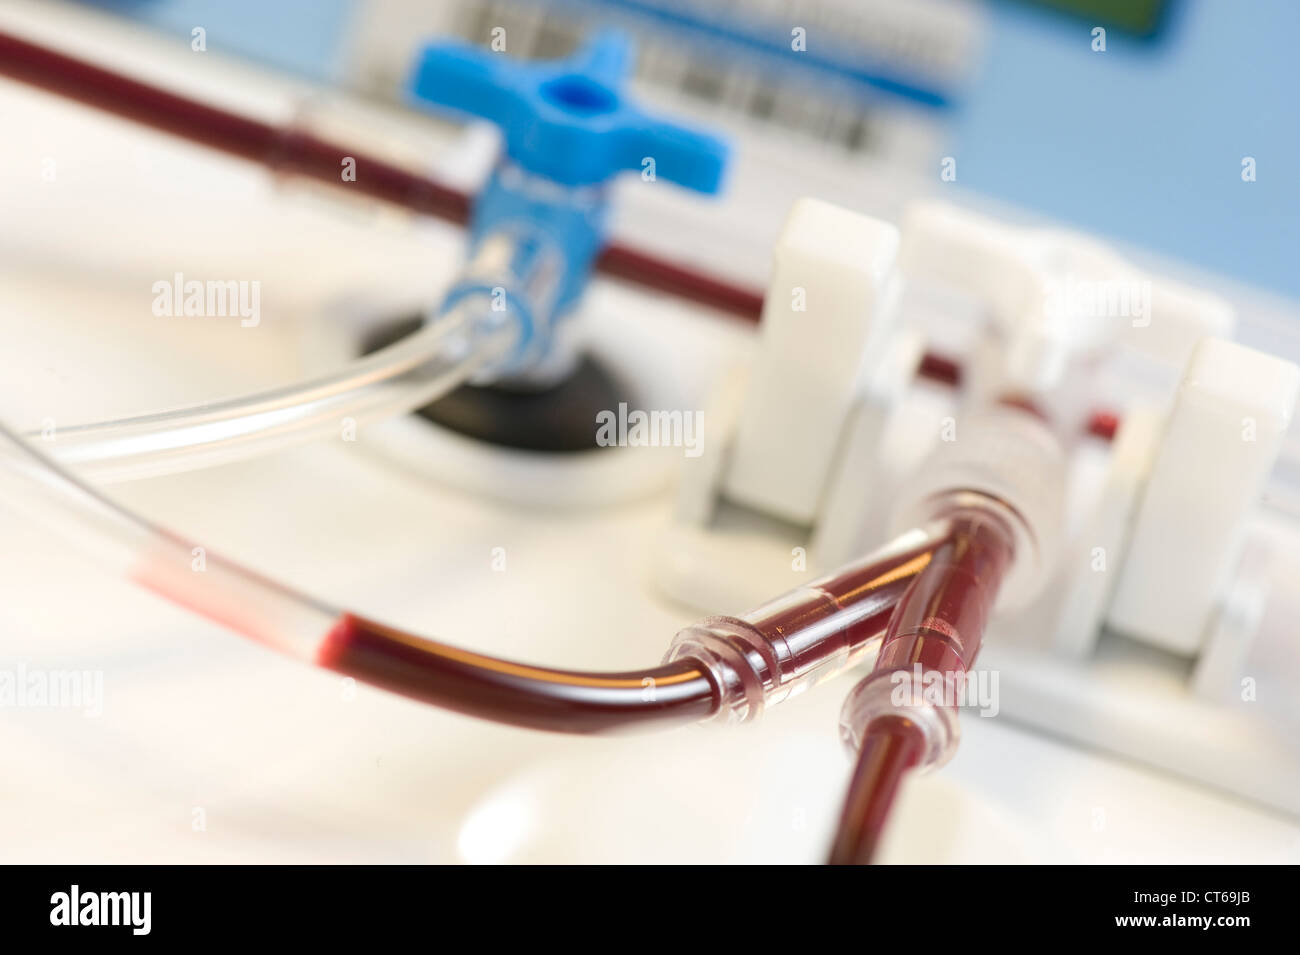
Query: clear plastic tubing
point(933, 637)
point(406, 375)
point(813, 632)
point(808, 635)
point(1000, 490)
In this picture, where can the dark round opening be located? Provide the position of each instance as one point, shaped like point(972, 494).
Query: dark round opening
point(556, 419)
point(577, 94)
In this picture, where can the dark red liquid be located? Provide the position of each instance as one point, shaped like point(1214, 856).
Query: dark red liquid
point(286, 150)
point(938, 625)
point(940, 621)
point(494, 689)
point(280, 148)
point(290, 151)
point(941, 369)
point(841, 611)
point(893, 746)
point(1103, 424)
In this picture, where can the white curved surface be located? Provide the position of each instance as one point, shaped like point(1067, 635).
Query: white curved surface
point(283, 763)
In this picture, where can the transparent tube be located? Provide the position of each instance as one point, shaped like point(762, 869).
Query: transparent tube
point(1001, 492)
point(154, 558)
point(404, 376)
point(315, 632)
point(903, 715)
point(729, 665)
point(808, 635)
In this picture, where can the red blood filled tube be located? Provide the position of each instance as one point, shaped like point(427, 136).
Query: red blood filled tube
point(933, 638)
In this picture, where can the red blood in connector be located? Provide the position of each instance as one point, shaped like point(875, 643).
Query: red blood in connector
point(1103, 424)
point(853, 604)
point(941, 369)
point(938, 626)
point(939, 623)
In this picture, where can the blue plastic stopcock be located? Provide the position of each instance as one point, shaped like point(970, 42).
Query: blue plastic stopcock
point(568, 120)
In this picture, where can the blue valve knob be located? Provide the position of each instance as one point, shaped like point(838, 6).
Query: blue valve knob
point(539, 221)
point(568, 120)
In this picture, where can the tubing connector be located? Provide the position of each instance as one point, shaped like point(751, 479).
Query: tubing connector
point(878, 696)
point(805, 636)
point(569, 128)
point(1009, 463)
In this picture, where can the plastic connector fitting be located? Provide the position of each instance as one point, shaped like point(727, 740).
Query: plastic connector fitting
point(805, 636)
point(873, 699)
point(568, 120)
point(934, 637)
point(568, 129)
point(1008, 462)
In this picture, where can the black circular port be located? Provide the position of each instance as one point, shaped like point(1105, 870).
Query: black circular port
point(561, 418)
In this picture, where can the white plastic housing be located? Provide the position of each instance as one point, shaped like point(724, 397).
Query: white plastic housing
point(829, 282)
point(1180, 317)
point(1096, 555)
point(854, 492)
point(1004, 458)
point(1223, 435)
point(1054, 296)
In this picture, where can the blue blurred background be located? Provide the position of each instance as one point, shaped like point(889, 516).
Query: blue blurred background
point(1143, 142)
